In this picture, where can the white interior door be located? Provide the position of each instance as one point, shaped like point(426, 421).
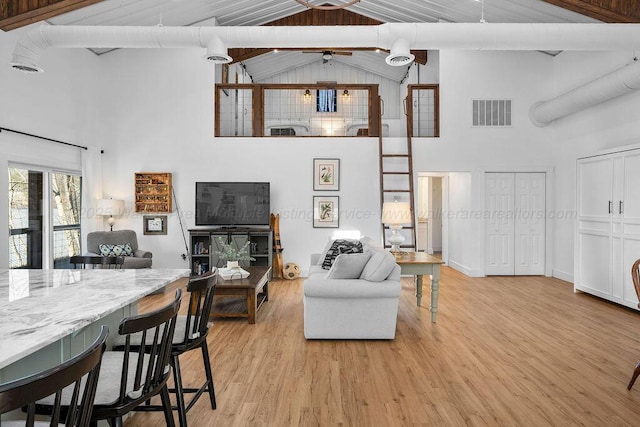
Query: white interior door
point(529, 216)
point(515, 224)
point(499, 225)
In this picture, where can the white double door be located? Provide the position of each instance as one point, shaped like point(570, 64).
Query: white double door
point(514, 223)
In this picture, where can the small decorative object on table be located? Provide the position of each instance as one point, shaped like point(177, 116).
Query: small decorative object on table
point(232, 256)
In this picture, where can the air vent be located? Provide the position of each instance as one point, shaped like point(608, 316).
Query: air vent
point(491, 113)
point(399, 60)
point(218, 58)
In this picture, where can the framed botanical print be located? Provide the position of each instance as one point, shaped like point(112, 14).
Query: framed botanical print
point(154, 224)
point(326, 174)
point(326, 212)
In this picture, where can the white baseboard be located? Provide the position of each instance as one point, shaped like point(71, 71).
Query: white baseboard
point(464, 269)
point(562, 275)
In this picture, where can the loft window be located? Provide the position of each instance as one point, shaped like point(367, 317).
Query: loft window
point(326, 101)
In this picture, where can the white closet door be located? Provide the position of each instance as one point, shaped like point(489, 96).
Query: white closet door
point(529, 223)
point(499, 225)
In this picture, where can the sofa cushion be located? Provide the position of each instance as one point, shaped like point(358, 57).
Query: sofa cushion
point(340, 246)
point(350, 288)
point(116, 250)
point(348, 266)
point(379, 266)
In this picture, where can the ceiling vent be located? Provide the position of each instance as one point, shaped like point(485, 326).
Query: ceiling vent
point(491, 113)
point(400, 54)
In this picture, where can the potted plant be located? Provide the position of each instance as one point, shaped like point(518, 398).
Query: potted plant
point(232, 255)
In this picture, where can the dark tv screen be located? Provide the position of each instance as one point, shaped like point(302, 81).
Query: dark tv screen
point(232, 203)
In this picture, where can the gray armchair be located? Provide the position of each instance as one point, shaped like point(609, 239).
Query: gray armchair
point(140, 258)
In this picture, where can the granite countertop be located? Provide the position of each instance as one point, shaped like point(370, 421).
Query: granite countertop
point(39, 307)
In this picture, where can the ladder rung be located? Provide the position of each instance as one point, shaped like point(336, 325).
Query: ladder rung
point(396, 155)
point(396, 191)
point(409, 227)
point(395, 173)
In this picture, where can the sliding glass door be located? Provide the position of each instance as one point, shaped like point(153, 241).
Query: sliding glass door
point(44, 217)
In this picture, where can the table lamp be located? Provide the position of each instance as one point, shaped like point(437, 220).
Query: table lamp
point(110, 208)
point(394, 214)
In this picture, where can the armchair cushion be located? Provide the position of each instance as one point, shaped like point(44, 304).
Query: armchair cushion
point(140, 258)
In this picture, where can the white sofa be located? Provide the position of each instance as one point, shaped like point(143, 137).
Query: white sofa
point(338, 307)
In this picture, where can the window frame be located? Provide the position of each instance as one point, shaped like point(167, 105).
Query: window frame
point(48, 227)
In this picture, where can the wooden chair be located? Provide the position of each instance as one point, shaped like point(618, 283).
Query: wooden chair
point(635, 274)
point(107, 262)
point(130, 377)
point(78, 376)
point(191, 334)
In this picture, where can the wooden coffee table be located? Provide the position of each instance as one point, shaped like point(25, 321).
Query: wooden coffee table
point(242, 297)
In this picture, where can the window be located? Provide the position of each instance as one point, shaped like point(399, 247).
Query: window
point(326, 101)
point(44, 218)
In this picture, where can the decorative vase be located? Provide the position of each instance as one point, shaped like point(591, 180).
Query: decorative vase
point(233, 264)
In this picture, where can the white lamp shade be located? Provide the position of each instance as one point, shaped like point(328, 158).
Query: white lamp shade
point(396, 213)
point(109, 207)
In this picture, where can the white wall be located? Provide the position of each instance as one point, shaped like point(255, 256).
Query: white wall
point(161, 119)
point(467, 75)
point(57, 104)
point(608, 125)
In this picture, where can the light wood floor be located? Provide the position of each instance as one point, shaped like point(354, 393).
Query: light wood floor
point(522, 351)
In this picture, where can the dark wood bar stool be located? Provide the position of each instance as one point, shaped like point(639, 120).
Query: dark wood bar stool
point(78, 376)
point(191, 334)
point(107, 262)
point(134, 375)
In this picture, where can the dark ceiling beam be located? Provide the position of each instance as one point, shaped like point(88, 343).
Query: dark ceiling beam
point(611, 11)
point(18, 13)
point(314, 17)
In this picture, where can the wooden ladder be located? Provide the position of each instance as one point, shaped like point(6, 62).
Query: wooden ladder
point(398, 167)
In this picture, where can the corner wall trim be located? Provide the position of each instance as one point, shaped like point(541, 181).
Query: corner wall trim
point(42, 137)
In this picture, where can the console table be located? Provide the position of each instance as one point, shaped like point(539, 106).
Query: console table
point(419, 264)
point(49, 316)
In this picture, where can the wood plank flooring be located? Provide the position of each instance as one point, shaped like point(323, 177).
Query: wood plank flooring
point(517, 351)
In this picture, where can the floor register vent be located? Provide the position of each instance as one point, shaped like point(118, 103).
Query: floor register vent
point(491, 112)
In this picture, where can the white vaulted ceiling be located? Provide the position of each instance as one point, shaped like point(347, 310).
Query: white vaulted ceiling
point(258, 12)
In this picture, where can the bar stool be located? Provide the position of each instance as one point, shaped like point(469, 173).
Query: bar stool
point(79, 375)
point(190, 334)
point(130, 377)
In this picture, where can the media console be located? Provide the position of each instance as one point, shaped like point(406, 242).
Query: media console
point(204, 244)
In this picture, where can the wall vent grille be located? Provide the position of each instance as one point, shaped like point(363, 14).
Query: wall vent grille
point(491, 112)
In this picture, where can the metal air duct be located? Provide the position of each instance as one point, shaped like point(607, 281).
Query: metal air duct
point(424, 36)
point(609, 86)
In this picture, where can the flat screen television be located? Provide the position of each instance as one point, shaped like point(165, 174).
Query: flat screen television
point(232, 203)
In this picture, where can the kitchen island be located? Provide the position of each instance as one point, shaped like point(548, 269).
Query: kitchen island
point(48, 316)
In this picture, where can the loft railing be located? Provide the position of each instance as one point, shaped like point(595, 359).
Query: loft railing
point(299, 110)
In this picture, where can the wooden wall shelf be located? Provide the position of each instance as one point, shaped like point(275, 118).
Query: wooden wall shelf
point(153, 192)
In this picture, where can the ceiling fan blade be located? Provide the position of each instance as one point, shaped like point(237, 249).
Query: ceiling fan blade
point(342, 52)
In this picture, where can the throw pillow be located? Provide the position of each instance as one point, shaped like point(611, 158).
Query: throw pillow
point(348, 266)
point(340, 246)
point(379, 266)
point(116, 250)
